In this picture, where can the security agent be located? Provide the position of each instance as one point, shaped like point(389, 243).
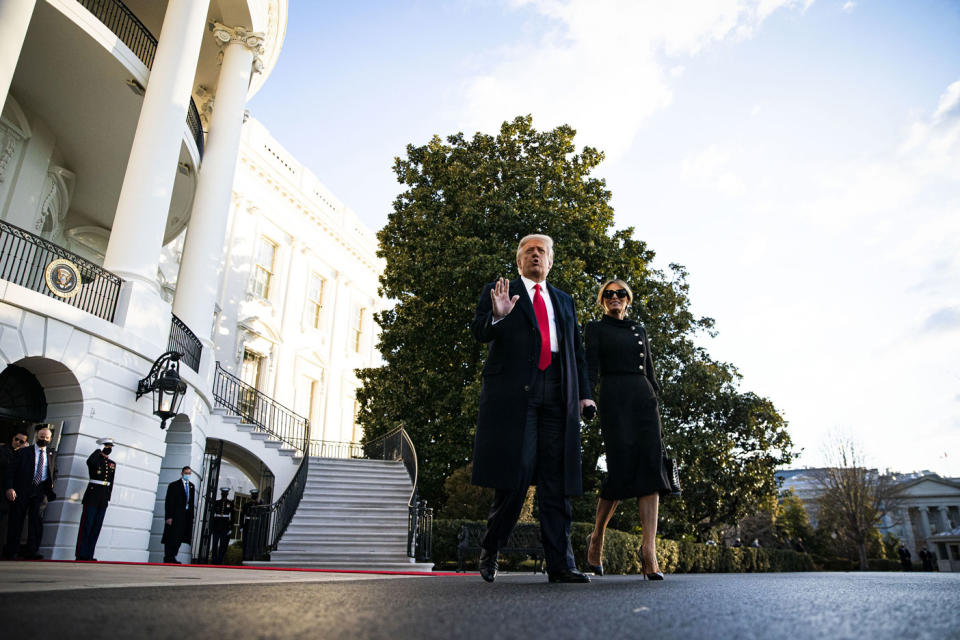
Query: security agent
point(96, 498)
point(221, 524)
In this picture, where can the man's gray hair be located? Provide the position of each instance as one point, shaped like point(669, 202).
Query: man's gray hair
point(547, 240)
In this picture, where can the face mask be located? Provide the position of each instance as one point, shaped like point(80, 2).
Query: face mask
point(42, 443)
point(186, 476)
point(107, 450)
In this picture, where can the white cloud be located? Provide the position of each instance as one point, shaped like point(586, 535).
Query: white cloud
point(849, 6)
point(604, 66)
point(710, 168)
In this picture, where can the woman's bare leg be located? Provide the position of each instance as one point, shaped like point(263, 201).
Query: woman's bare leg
point(649, 507)
point(605, 509)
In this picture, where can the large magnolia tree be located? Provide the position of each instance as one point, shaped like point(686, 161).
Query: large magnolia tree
point(465, 204)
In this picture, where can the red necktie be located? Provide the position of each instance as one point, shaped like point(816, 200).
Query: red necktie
point(540, 309)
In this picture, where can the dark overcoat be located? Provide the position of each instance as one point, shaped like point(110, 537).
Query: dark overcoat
point(175, 508)
point(508, 373)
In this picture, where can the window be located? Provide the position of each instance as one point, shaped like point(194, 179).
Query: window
point(263, 270)
point(314, 300)
point(250, 372)
point(356, 325)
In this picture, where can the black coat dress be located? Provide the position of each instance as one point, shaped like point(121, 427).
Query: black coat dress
point(507, 378)
point(621, 371)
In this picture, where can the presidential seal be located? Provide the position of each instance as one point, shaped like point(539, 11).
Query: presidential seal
point(63, 278)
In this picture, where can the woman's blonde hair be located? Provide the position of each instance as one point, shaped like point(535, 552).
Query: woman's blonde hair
point(620, 283)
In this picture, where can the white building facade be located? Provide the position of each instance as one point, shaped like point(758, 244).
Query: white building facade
point(926, 508)
point(123, 236)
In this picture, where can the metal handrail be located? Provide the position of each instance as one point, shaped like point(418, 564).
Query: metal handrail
point(270, 521)
point(117, 17)
point(24, 258)
point(185, 341)
point(261, 411)
point(409, 461)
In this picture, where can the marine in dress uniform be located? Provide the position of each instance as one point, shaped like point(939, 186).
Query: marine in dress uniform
point(96, 498)
point(221, 524)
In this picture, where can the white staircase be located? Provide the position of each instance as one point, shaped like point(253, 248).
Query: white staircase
point(353, 515)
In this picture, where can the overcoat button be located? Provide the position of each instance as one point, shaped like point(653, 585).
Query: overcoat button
point(526, 387)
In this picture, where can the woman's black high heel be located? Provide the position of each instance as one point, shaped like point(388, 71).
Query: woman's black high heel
point(597, 569)
point(656, 575)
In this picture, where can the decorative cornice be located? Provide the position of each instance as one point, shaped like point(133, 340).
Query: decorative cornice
point(252, 40)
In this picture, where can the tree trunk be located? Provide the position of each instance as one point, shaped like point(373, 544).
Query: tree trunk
point(862, 550)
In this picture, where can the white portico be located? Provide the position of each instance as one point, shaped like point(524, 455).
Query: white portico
point(103, 162)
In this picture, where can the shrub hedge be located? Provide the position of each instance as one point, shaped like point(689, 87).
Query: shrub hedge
point(621, 553)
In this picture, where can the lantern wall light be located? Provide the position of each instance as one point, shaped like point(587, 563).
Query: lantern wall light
point(164, 383)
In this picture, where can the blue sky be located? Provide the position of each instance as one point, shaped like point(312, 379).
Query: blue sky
point(801, 158)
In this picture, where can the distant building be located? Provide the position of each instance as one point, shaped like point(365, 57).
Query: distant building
point(927, 509)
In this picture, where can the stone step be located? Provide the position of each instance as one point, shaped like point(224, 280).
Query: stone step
point(385, 495)
point(345, 531)
point(348, 487)
point(398, 565)
point(341, 553)
point(352, 537)
point(331, 520)
point(314, 515)
point(353, 463)
point(358, 476)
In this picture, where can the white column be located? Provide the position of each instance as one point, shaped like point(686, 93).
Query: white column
point(339, 326)
point(203, 246)
point(943, 522)
point(133, 252)
point(14, 20)
point(924, 526)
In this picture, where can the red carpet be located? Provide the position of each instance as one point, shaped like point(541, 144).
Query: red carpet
point(227, 566)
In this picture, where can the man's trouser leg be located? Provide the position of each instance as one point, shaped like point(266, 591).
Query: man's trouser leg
point(555, 510)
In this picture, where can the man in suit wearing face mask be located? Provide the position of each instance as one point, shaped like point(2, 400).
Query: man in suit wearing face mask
point(30, 477)
point(179, 507)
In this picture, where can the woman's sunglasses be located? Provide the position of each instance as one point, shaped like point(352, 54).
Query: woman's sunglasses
point(609, 293)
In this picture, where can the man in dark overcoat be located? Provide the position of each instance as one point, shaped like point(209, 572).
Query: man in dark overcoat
point(178, 510)
point(535, 386)
point(6, 457)
point(29, 486)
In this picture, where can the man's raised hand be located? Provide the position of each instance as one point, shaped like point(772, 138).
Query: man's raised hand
point(501, 300)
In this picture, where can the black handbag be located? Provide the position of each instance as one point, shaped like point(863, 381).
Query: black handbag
point(673, 473)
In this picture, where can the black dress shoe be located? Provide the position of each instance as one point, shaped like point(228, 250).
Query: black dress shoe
point(171, 561)
point(488, 565)
point(567, 575)
point(34, 556)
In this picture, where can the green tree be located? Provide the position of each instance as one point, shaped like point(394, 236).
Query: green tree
point(465, 205)
point(853, 500)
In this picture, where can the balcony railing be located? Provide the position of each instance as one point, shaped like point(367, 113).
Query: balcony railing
point(186, 342)
point(125, 25)
point(24, 258)
point(335, 449)
point(260, 410)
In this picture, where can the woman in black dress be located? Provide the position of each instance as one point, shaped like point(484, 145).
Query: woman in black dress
point(626, 389)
